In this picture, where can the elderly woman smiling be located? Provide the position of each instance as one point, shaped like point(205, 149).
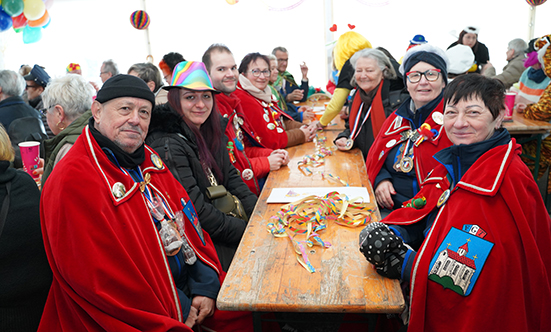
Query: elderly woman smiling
point(372, 74)
point(482, 224)
point(400, 157)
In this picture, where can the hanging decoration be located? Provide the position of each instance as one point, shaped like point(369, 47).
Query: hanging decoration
point(374, 3)
point(27, 16)
point(280, 7)
point(535, 3)
point(232, 2)
point(140, 20)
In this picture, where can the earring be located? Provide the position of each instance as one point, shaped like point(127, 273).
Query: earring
point(60, 128)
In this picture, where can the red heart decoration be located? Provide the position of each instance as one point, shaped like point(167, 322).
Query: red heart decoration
point(333, 28)
point(351, 26)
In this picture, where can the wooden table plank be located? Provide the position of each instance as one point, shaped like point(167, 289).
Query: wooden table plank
point(265, 275)
point(521, 126)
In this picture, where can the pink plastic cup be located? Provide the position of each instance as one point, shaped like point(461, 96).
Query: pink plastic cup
point(509, 104)
point(30, 155)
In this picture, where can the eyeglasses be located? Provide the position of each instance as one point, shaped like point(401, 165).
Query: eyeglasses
point(31, 86)
point(256, 72)
point(283, 60)
point(431, 75)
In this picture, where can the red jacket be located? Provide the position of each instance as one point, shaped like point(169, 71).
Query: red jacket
point(389, 137)
point(251, 157)
point(109, 265)
point(492, 238)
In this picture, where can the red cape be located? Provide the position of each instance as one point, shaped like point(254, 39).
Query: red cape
point(389, 137)
point(253, 158)
point(497, 217)
point(109, 266)
point(259, 118)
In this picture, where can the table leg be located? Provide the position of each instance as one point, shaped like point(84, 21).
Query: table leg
point(257, 321)
point(538, 156)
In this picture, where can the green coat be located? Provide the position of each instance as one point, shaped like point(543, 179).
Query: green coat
point(67, 136)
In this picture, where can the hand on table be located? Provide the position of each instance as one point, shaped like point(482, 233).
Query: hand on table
point(204, 306)
point(307, 113)
point(296, 95)
point(309, 131)
point(383, 194)
point(520, 107)
point(285, 155)
point(277, 159)
point(341, 144)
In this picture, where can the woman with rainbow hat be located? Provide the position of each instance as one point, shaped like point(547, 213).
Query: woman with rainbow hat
point(187, 132)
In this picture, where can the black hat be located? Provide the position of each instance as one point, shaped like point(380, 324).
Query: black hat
point(430, 54)
point(38, 75)
point(125, 86)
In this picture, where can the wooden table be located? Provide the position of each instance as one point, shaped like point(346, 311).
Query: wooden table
point(337, 124)
point(265, 275)
point(522, 126)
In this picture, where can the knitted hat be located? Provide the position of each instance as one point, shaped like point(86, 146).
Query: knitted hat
point(38, 75)
point(430, 54)
point(471, 29)
point(418, 39)
point(191, 75)
point(125, 86)
point(461, 59)
point(72, 67)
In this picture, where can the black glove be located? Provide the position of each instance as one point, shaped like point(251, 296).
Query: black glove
point(382, 248)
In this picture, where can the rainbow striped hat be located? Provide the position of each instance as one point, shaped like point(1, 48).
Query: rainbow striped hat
point(191, 75)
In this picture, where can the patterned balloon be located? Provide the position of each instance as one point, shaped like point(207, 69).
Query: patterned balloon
point(535, 3)
point(140, 20)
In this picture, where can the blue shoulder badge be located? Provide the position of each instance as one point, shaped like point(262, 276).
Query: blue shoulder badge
point(459, 259)
point(189, 211)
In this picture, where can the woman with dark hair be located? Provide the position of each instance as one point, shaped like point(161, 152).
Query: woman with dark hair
point(187, 133)
point(265, 123)
point(25, 275)
point(484, 230)
point(469, 37)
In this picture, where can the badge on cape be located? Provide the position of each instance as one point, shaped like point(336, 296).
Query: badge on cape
point(266, 118)
point(156, 161)
point(438, 118)
point(247, 174)
point(459, 260)
point(189, 211)
point(443, 198)
point(349, 144)
point(271, 126)
point(118, 190)
point(391, 143)
point(279, 130)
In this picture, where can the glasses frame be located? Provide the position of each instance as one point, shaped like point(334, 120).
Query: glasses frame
point(266, 73)
point(421, 74)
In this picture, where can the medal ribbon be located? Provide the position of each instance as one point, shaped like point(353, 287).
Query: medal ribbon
point(357, 128)
point(149, 194)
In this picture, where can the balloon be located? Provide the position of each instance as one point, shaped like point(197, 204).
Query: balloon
point(34, 9)
point(48, 4)
point(13, 7)
point(532, 3)
point(41, 21)
point(232, 2)
point(19, 21)
point(31, 35)
point(5, 21)
point(140, 20)
point(47, 23)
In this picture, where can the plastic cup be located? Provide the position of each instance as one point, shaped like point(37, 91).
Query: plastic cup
point(30, 155)
point(509, 104)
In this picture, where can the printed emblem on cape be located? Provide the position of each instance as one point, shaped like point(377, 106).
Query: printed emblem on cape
point(189, 211)
point(459, 260)
point(156, 161)
point(474, 230)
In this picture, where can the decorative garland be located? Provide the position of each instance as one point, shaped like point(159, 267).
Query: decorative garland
point(374, 3)
point(271, 8)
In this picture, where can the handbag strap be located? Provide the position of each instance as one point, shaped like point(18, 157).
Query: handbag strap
point(210, 175)
point(5, 207)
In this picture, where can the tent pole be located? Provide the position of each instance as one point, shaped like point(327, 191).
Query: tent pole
point(328, 11)
point(149, 57)
point(531, 22)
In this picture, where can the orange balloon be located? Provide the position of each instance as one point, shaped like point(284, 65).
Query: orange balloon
point(41, 21)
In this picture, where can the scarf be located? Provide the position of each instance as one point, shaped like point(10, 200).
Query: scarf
point(284, 76)
point(264, 95)
point(536, 75)
point(369, 99)
point(112, 150)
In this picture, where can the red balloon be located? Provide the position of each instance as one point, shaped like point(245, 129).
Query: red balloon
point(535, 3)
point(19, 21)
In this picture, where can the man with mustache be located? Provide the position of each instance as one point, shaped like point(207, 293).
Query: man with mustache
point(117, 225)
point(253, 163)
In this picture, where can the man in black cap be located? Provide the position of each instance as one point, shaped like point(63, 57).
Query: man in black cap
point(37, 80)
point(117, 224)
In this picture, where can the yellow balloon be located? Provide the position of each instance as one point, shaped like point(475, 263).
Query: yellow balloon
point(34, 9)
point(232, 2)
